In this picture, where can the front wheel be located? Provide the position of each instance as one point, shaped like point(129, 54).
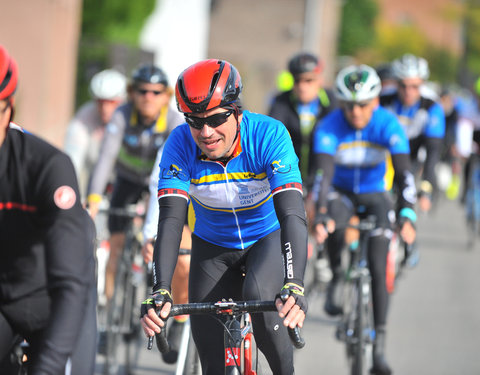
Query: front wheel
point(363, 331)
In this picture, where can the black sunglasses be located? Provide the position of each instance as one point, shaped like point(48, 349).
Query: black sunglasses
point(350, 105)
point(154, 92)
point(213, 121)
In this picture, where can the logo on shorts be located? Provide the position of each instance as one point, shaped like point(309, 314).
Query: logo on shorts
point(64, 197)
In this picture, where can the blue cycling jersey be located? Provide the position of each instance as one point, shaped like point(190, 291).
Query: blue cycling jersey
point(419, 120)
point(360, 155)
point(233, 205)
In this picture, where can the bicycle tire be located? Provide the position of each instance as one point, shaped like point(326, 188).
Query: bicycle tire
point(362, 350)
point(132, 335)
point(116, 316)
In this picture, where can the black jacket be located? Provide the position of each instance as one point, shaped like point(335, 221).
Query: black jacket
point(47, 240)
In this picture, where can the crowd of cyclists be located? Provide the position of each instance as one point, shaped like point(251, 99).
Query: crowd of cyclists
point(234, 198)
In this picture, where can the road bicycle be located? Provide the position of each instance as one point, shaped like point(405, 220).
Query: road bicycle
point(238, 332)
point(356, 326)
point(121, 315)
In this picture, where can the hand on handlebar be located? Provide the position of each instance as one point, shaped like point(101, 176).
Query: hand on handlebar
point(151, 322)
point(292, 305)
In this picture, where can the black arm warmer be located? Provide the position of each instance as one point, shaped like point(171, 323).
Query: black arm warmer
point(293, 224)
point(325, 167)
point(433, 146)
point(404, 180)
point(173, 211)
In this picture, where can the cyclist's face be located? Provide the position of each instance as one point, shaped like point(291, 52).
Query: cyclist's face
point(106, 109)
point(306, 86)
point(359, 114)
point(216, 142)
point(149, 98)
point(5, 112)
point(409, 90)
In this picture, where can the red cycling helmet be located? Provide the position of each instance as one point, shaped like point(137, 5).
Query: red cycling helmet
point(207, 84)
point(8, 74)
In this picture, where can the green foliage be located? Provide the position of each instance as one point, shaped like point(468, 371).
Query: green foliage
point(357, 28)
point(371, 40)
point(116, 21)
point(105, 24)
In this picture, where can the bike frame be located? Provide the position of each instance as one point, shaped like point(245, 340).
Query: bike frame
point(235, 334)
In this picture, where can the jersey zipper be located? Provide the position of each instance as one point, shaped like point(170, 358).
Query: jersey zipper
point(227, 185)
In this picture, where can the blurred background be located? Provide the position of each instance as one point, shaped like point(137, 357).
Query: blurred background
point(60, 44)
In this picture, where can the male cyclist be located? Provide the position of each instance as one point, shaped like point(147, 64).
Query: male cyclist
point(133, 136)
point(85, 131)
point(301, 107)
point(47, 268)
point(351, 148)
point(422, 118)
point(249, 241)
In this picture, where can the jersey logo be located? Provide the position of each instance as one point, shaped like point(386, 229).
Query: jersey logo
point(280, 168)
point(174, 172)
point(64, 197)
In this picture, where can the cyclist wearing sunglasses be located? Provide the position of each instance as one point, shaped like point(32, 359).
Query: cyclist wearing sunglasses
point(136, 131)
point(240, 173)
point(351, 149)
point(421, 116)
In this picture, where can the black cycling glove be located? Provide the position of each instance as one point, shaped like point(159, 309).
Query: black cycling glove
point(297, 292)
point(158, 299)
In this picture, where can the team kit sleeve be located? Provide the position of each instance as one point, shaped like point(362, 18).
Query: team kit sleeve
point(173, 186)
point(69, 246)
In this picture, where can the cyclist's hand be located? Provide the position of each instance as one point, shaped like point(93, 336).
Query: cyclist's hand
point(147, 251)
point(424, 203)
point(408, 232)
point(93, 208)
point(324, 225)
point(292, 305)
point(161, 300)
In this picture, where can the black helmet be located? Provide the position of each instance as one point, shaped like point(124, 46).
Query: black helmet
point(304, 62)
point(149, 73)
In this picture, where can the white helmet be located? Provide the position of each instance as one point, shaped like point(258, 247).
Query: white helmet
point(357, 83)
point(410, 66)
point(108, 84)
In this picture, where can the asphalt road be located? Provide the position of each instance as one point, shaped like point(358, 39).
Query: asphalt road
point(434, 316)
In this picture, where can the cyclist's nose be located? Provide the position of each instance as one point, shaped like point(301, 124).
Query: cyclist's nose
point(207, 131)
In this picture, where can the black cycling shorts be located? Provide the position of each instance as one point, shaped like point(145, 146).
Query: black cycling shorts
point(252, 274)
point(124, 193)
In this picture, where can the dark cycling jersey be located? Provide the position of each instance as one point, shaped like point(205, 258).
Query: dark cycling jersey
point(424, 123)
point(47, 245)
point(300, 121)
point(131, 146)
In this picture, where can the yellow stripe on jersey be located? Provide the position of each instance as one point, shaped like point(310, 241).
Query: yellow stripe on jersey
point(389, 173)
point(230, 176)
point(364, 144)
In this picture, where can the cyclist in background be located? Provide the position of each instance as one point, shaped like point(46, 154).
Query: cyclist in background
point(47, 267)
point(240, 172)
point(180, 276)
point(85, 131)
point(301, 107)
point(387, 78)
point(422, 118)
point(133, 136)
point(351, 148)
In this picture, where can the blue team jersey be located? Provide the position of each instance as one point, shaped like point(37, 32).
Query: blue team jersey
point(360, 155)
point(233, 205)
point(417, 120)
